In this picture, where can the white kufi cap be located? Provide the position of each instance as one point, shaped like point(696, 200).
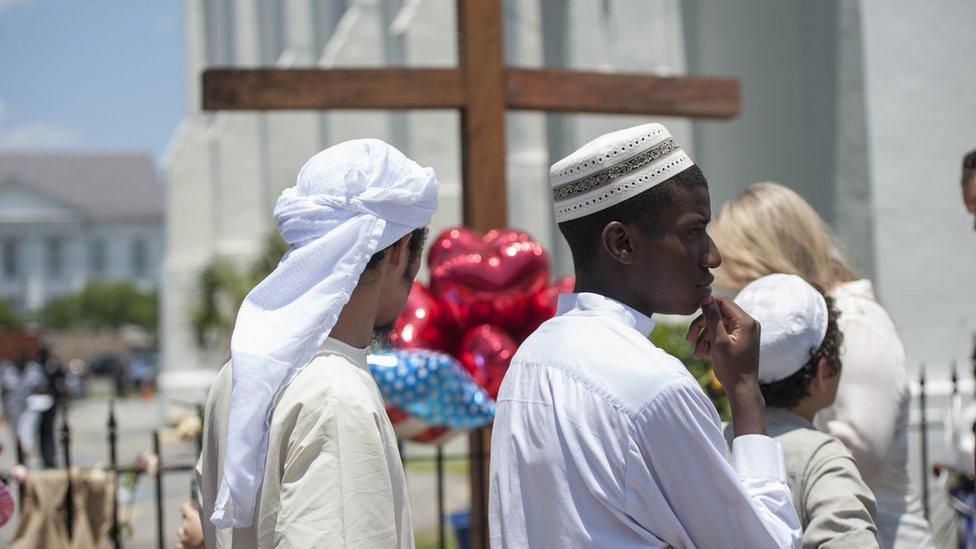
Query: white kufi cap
point(793, 319)
point(613, 168)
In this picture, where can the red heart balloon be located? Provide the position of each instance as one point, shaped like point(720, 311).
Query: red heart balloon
point(451, 242)
point(542, 306)
point(424, 324)
point(487, 279)
point(485, 353)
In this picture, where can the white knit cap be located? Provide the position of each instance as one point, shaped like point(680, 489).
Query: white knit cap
point(350, 201)
point(793, 319)
point(613, 168)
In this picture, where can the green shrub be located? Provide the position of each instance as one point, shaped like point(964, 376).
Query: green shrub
point(8, 317)
point(103, 305)
point(670, 337)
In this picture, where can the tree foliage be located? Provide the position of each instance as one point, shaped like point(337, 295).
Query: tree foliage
point(221, 288)
point(8, 317)
point(670, 337)
point(103, 305)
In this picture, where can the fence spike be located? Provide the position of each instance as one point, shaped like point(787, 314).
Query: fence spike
point(113, 442)
point(954, 376)
point(69, 504)
point(160, 528)
point(925, 440)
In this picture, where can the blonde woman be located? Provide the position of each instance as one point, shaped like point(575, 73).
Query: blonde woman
point(770, 229)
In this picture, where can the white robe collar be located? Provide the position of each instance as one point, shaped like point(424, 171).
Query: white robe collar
point(587, 304)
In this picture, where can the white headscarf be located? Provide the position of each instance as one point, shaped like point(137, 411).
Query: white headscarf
point(351, 200)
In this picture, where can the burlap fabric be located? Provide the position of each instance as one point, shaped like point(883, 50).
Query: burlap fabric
point(42, 521)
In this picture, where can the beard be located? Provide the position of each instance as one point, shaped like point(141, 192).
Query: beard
point(381, 336)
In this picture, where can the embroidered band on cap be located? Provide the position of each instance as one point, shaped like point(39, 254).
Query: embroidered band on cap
point(613, 168)
point(604, 178)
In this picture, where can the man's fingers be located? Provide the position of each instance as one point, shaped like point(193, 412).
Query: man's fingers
point(713, 318)
point(695, 329)
point(732, 314)
point(701, 348)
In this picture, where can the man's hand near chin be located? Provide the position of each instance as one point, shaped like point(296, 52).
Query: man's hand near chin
point(730, 337)
point(190, 533)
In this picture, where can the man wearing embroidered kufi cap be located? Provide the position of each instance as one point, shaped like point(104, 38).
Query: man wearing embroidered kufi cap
point(799, 372)
point(298, 450)
point(600, 438)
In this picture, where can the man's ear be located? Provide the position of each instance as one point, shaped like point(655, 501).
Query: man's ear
point(400, 252)
point(616, 241)
point(823, 373)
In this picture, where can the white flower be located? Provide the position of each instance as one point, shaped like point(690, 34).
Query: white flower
point(149, 462)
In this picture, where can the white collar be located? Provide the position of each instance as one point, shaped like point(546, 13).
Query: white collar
point(858, 288)
point(333, 346)
point(587, 304)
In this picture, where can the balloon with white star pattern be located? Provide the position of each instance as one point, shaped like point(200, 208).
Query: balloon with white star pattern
point(432, 387)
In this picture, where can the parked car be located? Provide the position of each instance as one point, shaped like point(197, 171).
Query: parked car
point(106, 364)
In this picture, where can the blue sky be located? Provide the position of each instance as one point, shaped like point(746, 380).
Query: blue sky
point(90, 74)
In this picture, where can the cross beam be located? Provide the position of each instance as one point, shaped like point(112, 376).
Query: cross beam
point(482, 89)
point(420, 88)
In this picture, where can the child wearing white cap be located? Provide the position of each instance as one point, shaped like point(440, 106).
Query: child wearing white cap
point(799, 372)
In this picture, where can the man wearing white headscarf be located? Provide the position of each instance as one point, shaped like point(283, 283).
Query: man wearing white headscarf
point(297, 448)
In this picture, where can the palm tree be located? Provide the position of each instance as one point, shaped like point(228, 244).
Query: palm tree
point(222, 286)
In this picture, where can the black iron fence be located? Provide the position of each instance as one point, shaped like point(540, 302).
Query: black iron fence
point(928, 468)
point(438, 457)
point(164, 537)
point(117, 469)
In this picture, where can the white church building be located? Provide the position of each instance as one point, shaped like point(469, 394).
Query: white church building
point(864, 107)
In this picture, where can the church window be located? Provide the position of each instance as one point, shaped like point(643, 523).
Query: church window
point(54, 255)
point(96, 258)
point(140, 257)
point(10, 266)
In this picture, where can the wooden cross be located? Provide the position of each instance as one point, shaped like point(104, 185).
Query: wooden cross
point(482, 88)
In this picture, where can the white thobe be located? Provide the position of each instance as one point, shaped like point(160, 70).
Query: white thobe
point(333, 475)
point(603, 440)
point(17, 386)
point(870, 415)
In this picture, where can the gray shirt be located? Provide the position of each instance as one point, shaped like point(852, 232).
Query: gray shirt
point(835, 507)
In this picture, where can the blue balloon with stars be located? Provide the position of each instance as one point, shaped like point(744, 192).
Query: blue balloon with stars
point(431, 386)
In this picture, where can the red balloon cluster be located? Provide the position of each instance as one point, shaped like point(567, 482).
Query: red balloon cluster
point(487, 294)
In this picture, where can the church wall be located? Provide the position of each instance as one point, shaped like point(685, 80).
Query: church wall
point(792, 58)
point(433, 137)
point(225, 171)
point(527, 163)
point(619, 36)
point(865, 108)
point(920, 82)
point(785, 55)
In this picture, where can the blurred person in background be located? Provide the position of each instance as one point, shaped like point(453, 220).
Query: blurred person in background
point(19, 381)
point(969, 183)
point(142, 373)
point(54, 373)
point(120, 376)
point(769, 229)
